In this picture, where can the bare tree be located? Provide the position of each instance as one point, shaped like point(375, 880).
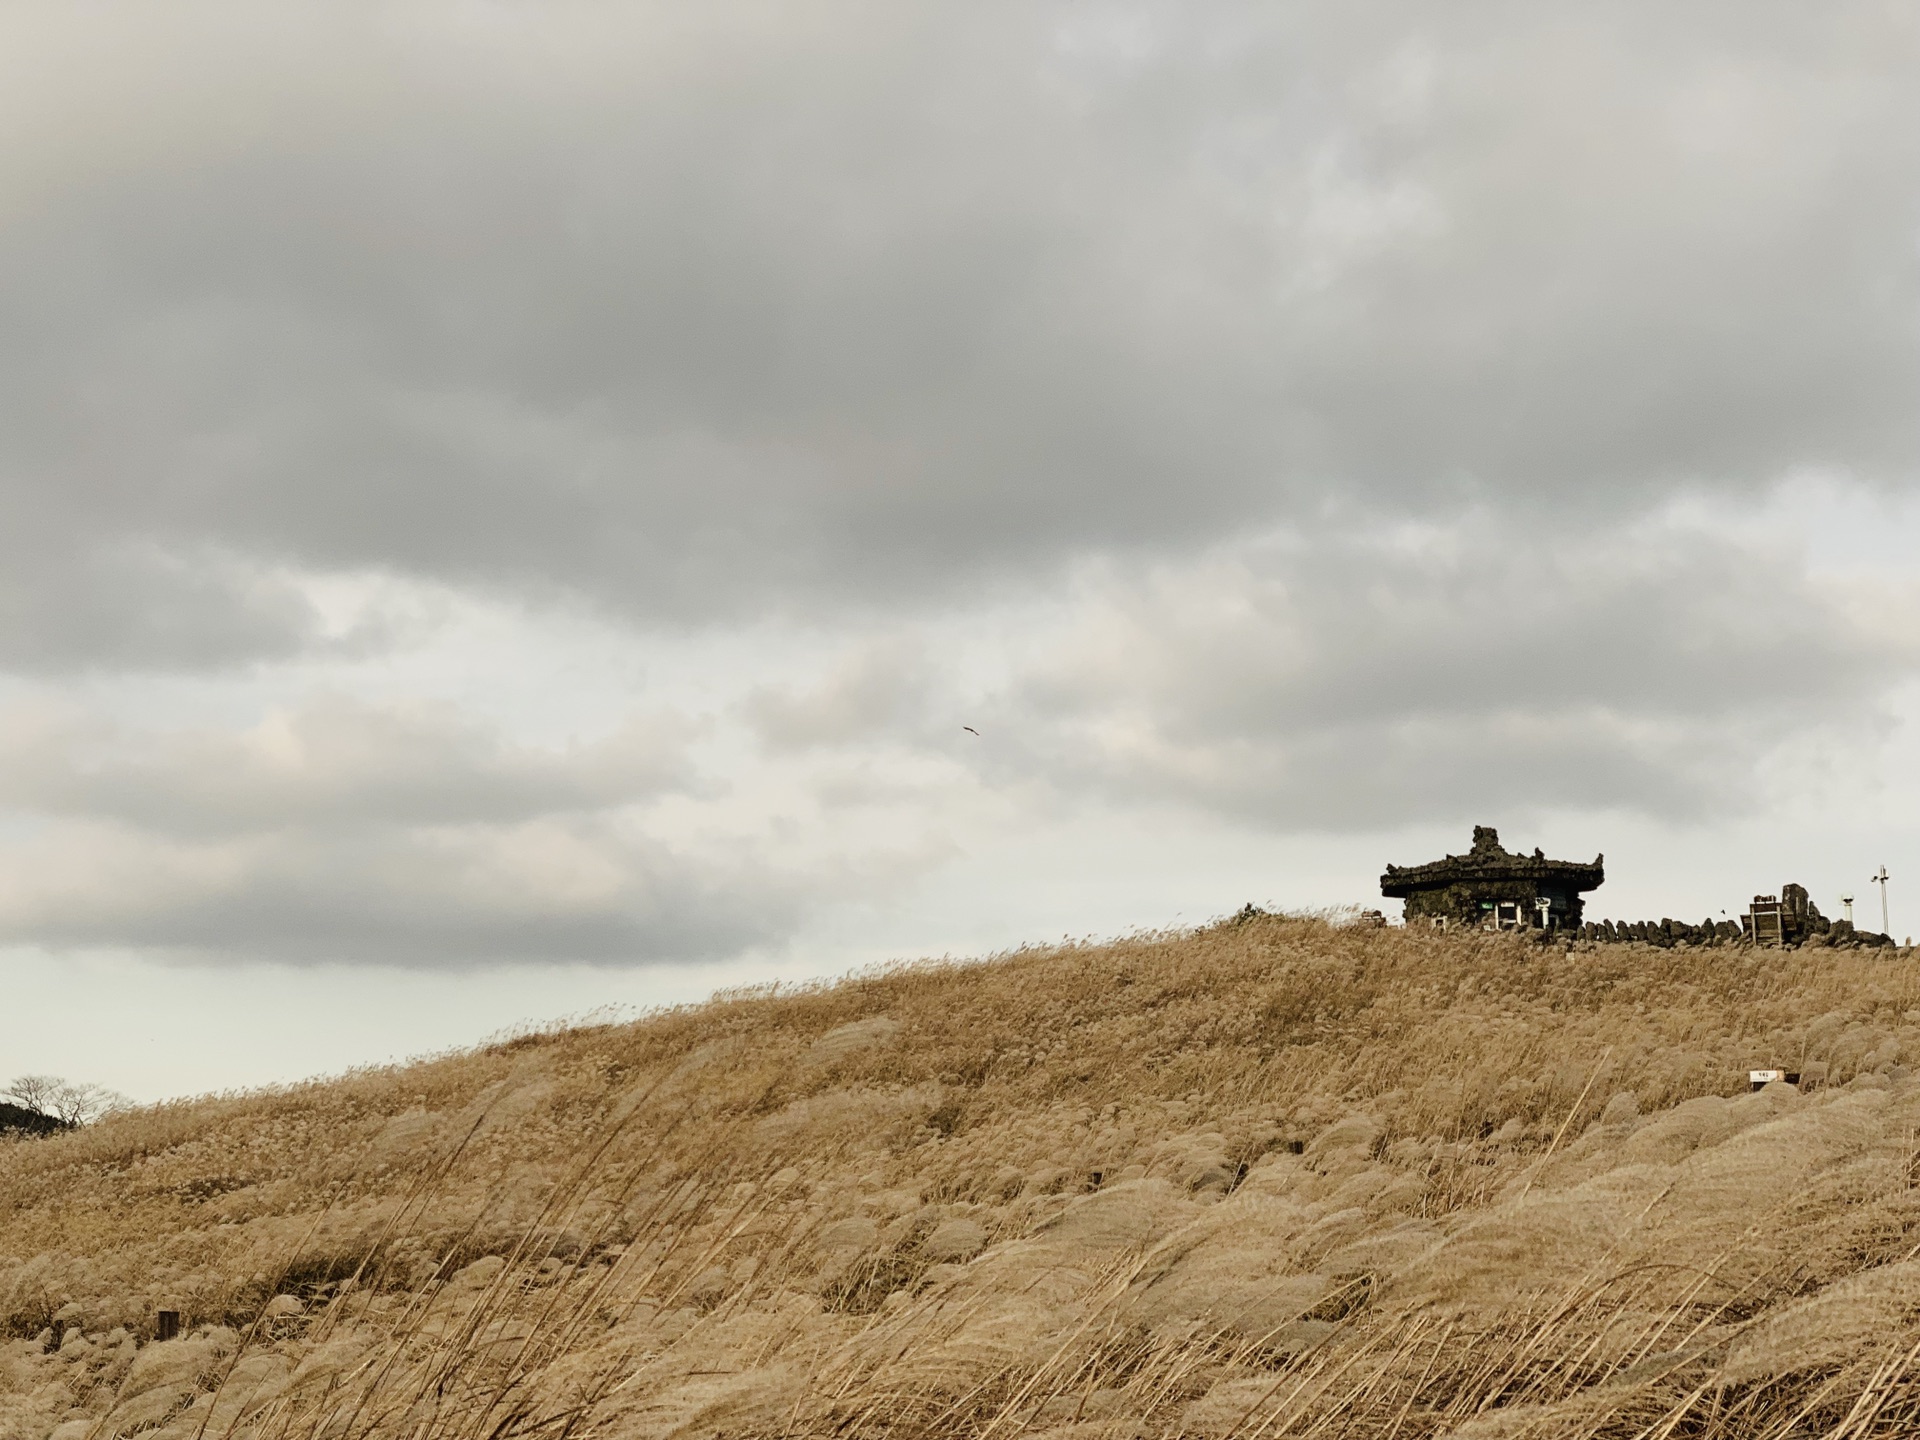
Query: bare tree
point(34, 1092)
point(71, 1102)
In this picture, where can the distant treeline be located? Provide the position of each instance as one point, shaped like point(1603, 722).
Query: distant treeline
point(25, 1120)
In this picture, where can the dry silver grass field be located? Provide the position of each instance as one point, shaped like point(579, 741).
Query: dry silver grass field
point(1053, 1194)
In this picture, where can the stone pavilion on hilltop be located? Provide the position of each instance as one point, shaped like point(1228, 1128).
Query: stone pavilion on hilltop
point(1492, 889)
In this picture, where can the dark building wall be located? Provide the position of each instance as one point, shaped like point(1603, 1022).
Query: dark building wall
point(1474, 903)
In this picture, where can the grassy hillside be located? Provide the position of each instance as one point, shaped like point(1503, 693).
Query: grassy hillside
point(1273, 1178)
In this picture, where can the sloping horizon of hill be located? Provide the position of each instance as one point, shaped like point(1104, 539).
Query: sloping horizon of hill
point(1277, 1176)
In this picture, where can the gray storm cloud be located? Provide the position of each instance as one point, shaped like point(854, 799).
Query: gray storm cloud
point(340, 830)
point(1329, 681)
point(550, 891)
point(866, 318)
point(329, 762)
point(699, 313)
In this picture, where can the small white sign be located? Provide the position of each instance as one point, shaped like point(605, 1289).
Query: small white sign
point(1762, 1077)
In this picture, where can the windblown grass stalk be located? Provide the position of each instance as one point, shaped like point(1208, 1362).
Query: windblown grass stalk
point(1273, 1178)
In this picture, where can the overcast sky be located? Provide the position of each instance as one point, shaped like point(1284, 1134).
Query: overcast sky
point(508, 509)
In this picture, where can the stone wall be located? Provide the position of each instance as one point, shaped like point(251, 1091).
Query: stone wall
point(1821, 932)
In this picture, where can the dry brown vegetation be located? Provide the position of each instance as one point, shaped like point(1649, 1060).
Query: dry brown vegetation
point(1273, 1178)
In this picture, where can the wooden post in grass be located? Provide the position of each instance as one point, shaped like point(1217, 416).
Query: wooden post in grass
point(166, 1324)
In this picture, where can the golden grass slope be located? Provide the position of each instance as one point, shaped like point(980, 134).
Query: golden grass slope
point(1271, 1178)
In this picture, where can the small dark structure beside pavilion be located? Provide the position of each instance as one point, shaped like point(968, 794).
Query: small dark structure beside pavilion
point(1491, 888)
point(1784, 919)
point(1791, 919)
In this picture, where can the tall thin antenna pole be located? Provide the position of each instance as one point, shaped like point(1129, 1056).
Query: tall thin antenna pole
point(1880, 878)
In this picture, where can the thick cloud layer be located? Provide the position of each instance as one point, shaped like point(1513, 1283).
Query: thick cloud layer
point(700, 312)
point(1332, 682)
point(1308, 400)
point(344, 831)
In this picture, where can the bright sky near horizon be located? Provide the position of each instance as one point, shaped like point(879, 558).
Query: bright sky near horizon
point(509, 510)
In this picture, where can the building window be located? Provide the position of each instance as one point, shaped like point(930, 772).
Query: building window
point(1506, 915)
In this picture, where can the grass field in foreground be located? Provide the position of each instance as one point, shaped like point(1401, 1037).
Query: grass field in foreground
point(1270, 1178)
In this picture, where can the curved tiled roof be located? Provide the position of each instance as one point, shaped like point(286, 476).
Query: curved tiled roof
point(1488, 861)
